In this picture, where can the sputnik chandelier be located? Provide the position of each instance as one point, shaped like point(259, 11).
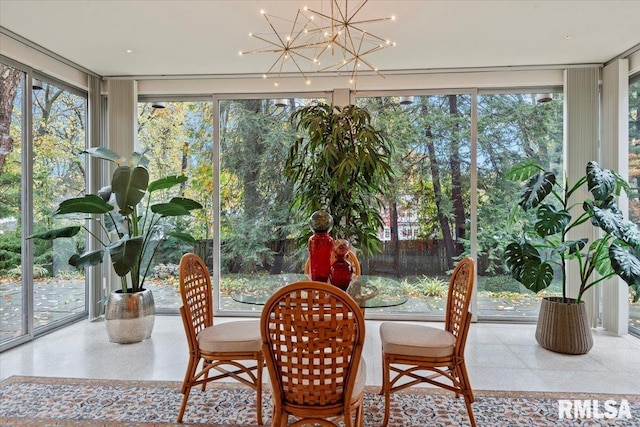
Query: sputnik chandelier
point(336, 36)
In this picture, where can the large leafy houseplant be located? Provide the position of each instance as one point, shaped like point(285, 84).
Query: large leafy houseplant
point(131, 223)
point(532, 258)
point(340, 164)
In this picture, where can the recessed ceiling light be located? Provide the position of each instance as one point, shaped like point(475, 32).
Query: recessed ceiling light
point(568, 37)
point(129, 50)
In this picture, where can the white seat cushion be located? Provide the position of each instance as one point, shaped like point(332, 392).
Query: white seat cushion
point(416, 340)
point(241, 336)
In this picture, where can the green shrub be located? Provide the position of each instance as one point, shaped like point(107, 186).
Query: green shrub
point(427, 286)
point(499, 284)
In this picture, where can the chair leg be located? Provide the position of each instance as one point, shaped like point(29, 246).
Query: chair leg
point(360, 415)
point(467, 402)
point(385, 389)
point(464, 380)
point(206, 374)
point(259, 368)
point(186, 384)
point(276, 419)
point(467, 392)
point(188, 375)
point(183, 406)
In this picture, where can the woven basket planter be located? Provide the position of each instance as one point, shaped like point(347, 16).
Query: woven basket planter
point(563, 327)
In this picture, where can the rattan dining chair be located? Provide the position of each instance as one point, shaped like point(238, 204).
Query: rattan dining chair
point(228, 350)
point(312, 336)
point(422, 354)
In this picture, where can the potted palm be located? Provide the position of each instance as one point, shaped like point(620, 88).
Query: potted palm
point(133, 227)
point(532, 258)
point(340, 164)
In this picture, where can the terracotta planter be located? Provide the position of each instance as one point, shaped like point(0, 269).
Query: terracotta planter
point(130, 317)
point(563, 327)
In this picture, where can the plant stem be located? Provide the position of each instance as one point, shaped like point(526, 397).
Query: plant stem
point(123, 284)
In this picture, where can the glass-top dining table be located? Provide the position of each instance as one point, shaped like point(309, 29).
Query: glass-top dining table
point(367, 291)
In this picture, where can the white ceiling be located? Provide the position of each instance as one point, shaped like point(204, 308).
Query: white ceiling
point(204, 37)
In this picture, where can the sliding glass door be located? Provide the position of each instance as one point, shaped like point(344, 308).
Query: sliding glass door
point(13, 310)
point(59, 139)
point(43, 133)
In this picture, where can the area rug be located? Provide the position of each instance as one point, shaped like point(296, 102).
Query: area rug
point(41, 401)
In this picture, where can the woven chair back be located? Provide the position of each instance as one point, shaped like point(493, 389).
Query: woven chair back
point(195, 290)
point(459, 298)
point(313, 334)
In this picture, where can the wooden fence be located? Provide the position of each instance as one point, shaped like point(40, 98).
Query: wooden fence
point(412, 257)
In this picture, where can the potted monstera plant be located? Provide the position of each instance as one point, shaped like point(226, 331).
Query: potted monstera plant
point(132, 227)
point(546, 248)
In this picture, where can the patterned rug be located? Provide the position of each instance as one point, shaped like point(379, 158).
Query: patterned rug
point(39, 401)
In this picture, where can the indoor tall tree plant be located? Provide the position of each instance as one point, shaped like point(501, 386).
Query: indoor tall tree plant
point(340, 164)
point(534, 256)
point(132, 230)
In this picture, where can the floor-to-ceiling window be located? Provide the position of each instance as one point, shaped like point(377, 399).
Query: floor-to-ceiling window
point(427, 206)
point(634, 178)
point(177, 138)
point(428, 214)
point(59, 170)
point(256, 220)
point(512, 126)
point(50, 164)
point(12, 304)
point(428, 218)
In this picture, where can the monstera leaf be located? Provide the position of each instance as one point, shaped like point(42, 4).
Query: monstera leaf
point(551, 220)
point(527, 267)
point(626, 264)
point(536, 189)
point(601, 182)
point(611, 221)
